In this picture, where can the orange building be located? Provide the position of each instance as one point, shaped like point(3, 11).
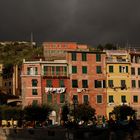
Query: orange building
point(71, 73)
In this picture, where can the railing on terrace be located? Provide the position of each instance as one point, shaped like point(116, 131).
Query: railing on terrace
point(118, 60)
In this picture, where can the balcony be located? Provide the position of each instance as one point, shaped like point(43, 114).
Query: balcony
point(50, 75)
point(119, 60)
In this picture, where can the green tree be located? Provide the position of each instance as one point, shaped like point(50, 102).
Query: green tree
point(121, 112)
point(8, 113)
point(83, 112)
point(37, 113)
point(109, 46)
point(100, 47)
point(65, 112)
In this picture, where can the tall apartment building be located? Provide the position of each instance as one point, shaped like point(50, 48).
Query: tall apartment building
point(31, 83)
point(88, 78)
point(69, 73)
point(86, 70)
point(118, 79)
point(135, 81)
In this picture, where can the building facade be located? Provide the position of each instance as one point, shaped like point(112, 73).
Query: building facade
point(88, 79)
point(31, 83)
point(118, 79)
point(135, 81)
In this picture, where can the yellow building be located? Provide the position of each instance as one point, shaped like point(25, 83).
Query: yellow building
point(118, 79)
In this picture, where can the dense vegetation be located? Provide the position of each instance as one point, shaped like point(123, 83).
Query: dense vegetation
point(14, 53)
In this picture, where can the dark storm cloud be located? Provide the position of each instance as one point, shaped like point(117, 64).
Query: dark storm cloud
point(87, 21)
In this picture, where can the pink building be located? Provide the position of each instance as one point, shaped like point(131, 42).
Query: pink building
point(31, 83)
point(88, 78)
point(81, 70)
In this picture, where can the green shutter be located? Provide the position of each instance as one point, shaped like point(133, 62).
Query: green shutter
point(84, 69)
point(123, 98)
point(61, 83)
point(49, 98)
point(34, 91)
point(62, 98)
point(98, 69)
point(48, 83)
point(98, 57)
point(110, 69)
point(99, 98)
point(57, 70)
point(34, 82)
point(53, 70)
point(111, 99)
point(84, 57)
point(73, 54)
point(65, 70)
point(126, 69)
point(135, 99)
point(45, 70)
point(74, 69)
point(120, 69)
point(85, 99)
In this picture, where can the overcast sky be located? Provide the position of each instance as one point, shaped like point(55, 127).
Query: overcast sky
point(86, 21)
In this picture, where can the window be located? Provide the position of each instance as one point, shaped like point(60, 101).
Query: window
point(133, 71)
point(98, 57)
point(123, 99)
point(111, 100)
point(98, 69)
point(123, 83)
point(45, 70)
point(75, 98)
point(138, 71)
point(110, 69)
point(138, 83)
point(85, 83)
point(85, 99)
point(99, 99)
point(61, 83)
point(57, 70)
point(32, 71)
point(135, 99)
point(74, 83)
point(133, 84)
point(49, 98)
point(34, 91)
point(34, 82)
point(62, 98)
point(100, 84)
point(48, 83)
point(110, 83)
point(123, 69)
point(53, 70)
point(74, 69)
point(73, 55)
point(84, 69)
point(65, 71)
point(35, 102)
point(10, 83)
point(84, 57)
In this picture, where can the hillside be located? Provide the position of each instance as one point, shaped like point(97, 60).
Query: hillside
point(14, 53)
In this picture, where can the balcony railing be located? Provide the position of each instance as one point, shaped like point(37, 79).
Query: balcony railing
point(118, 60)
